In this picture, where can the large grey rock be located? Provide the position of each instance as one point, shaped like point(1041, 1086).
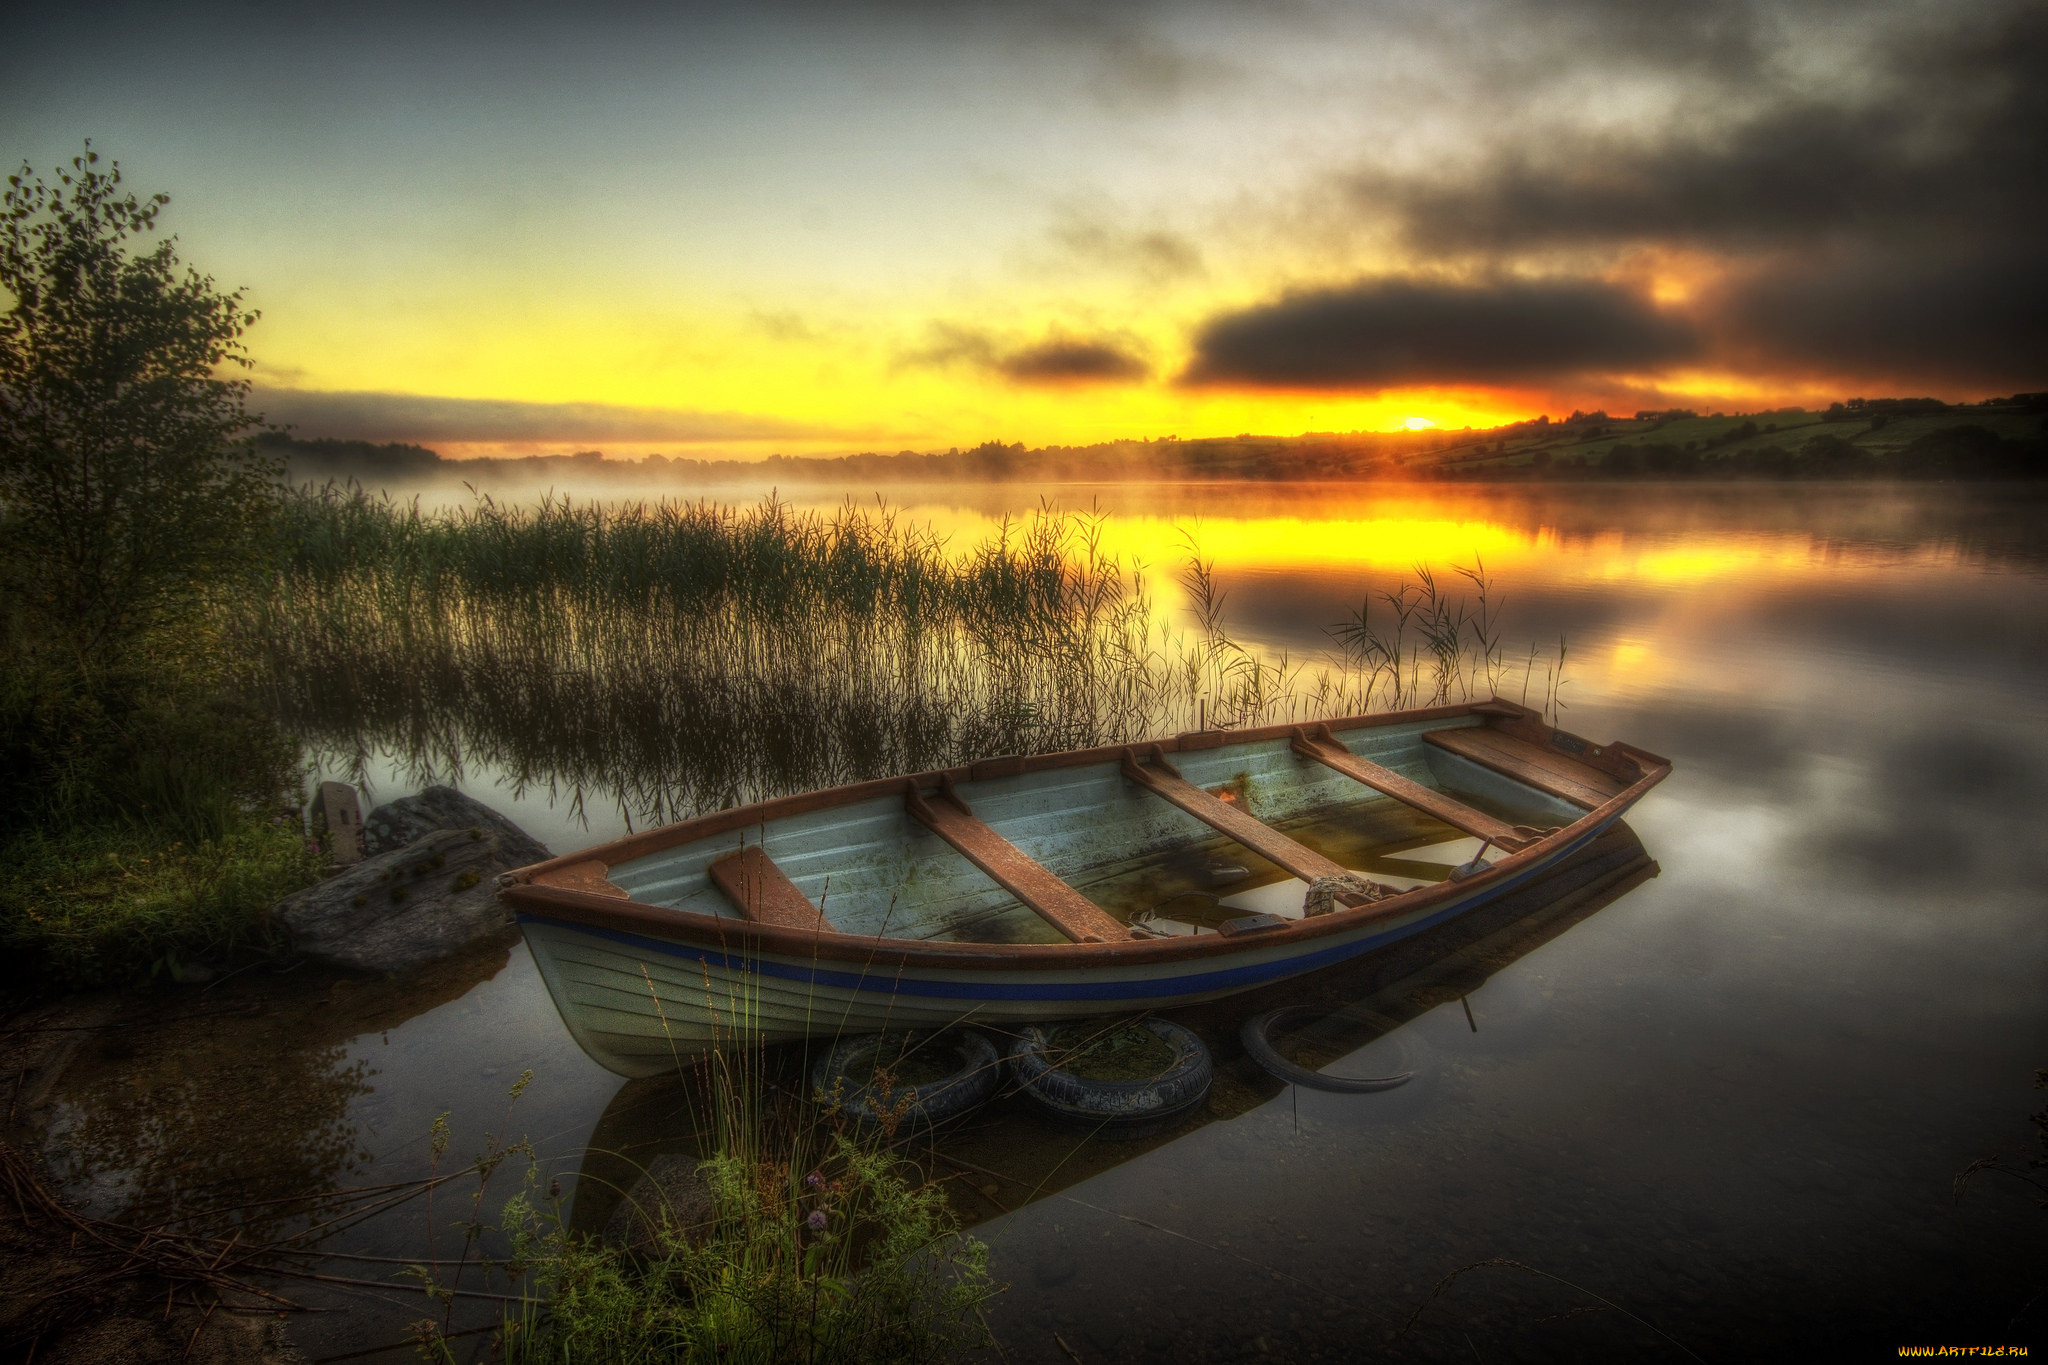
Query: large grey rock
point(406, 906)
point(396, 824)
point(673, 1191)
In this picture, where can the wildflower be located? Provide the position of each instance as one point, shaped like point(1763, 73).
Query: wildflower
point(816, 1222)
point(814, 1180)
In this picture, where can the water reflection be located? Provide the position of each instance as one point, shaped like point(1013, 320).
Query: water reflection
point(1709, 605)
point(1301, 525)
point(1008, 1155)
point(1733, 1100)
point(687, 657)
point(246, 1099)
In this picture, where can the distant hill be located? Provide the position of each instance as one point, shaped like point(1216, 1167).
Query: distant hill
point(1914, 438)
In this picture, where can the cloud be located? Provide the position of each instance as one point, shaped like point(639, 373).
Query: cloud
point(1884, 225)
point(1136, 67)
point(1058, 359)
point(1389, 333)
point(1927, 159)
point(1155, 255)
point(951, 344)
point(1898, 317)
point(423, 418)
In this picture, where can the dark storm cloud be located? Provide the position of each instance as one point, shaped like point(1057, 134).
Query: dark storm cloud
point(1714, 35)
point(1063, 361)
point(1938, 153)
point(423, 418)
point(1391, 332)
point(1968, 317)
point(1059, 359)
point(1890, 229)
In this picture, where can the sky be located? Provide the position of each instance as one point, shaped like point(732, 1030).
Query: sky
point(822, 227)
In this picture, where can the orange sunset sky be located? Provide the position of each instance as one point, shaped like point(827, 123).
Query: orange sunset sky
point(819, 228)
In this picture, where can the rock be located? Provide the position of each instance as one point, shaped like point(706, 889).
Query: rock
point(396, 824)
point(409, 905)
point(673, 1188)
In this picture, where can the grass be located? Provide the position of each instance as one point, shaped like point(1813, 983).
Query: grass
point(887, 1063)
point(672, 657)
point(1125, 1052)
point(119, 904)
point(688, 656)
point(823, 1244)
point(839, 1258)
point(138, 823)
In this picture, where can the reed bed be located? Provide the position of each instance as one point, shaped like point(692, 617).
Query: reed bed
point(680, 656)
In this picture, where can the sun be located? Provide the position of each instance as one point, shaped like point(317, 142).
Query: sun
point(1418, 423)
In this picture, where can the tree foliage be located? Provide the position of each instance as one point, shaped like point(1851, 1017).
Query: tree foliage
point(126, 479)
point(130, 492)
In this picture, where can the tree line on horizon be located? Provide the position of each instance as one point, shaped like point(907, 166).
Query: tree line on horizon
point(1581, 446)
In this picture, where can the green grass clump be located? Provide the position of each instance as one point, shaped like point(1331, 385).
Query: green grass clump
point(847, 1261)
point(805, 1240)
point(1130, 1052)
point(92, 907)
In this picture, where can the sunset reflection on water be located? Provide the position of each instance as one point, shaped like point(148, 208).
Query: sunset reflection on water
point(1734, 1100)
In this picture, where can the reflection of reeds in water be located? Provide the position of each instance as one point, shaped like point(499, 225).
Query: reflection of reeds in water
point(679, 656)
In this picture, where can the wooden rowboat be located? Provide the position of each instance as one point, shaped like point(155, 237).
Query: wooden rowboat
point(1099, 881)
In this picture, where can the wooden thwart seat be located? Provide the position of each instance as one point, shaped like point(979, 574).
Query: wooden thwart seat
point(1531, 764)
point(1325, 748)
point(1011, 868)
point(764, 893)
point(1163, 778)
point(587, 876)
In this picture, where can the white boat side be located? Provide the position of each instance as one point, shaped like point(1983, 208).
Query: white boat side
point(920, 937)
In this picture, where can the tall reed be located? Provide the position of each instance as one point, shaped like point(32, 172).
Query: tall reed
point(684, 656)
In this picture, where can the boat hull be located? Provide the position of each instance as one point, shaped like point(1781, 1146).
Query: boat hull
point(643, 987)
point(640, 1004)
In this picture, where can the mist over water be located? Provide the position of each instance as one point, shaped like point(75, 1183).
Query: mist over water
point(1731, 1101)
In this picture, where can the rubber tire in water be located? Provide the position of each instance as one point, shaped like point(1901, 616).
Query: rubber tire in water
point(1262, 1051)
point(968, 1084)
point(1118, 1109)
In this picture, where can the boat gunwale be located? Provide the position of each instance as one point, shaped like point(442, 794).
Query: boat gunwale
point(728, 934)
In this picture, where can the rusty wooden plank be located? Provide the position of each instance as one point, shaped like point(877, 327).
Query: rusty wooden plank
point(763, 892)
point(1016, 871)
point(640, 845)
point(1531, 764)
point(589, 875)
point(1615, 761)
point(1328, 751)
point(1160, 777)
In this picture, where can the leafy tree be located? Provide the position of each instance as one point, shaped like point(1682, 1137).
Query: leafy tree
point(1968, 452)
point(129, 491)
point(1828, 456)
point(126, 479)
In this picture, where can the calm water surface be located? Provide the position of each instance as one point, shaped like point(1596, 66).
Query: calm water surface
point(1720, 1114)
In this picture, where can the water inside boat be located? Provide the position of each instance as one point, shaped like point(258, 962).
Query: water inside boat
point(870, 868)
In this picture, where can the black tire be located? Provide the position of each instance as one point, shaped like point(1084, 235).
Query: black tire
point(1269, 1059)
point(839, 1079)
point(1116, 1109)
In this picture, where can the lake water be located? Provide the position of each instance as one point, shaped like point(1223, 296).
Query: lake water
point(1718, 1114)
